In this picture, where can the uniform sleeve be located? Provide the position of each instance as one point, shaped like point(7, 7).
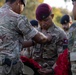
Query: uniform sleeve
point(62, 43)
point(26, 28)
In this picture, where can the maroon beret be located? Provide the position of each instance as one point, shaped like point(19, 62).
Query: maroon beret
point(43, 11)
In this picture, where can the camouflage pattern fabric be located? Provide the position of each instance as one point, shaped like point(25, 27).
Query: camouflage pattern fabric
point(67, 33)
point(72, 47)
point(48, 53)
point(13, 27)
point(16, 69)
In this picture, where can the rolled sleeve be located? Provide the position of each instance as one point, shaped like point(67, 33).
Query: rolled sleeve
point(26, 28)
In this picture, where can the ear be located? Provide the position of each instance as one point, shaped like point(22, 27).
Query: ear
point(52, 15)
point(70, 22)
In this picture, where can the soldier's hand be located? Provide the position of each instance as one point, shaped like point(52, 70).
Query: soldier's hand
point(49, 36)
point(45, 71)
point(44, 31)
point(52, 38)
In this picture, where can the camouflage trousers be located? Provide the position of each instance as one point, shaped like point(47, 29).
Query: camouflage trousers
point(73, 62)
point(15, 67)
point(73, 67)
point(14, 70)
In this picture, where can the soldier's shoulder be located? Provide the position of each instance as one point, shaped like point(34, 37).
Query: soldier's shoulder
point(22, 17)
point(72, 27)
point(18, 16)
point(59, 29)
point(60, 32)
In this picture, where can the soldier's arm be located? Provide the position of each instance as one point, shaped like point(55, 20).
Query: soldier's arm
point(41, 38)
point(28, 43)
point(61, 44)
point(30, 32)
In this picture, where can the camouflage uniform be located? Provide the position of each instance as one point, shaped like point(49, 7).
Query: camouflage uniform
point(49, 52)
point(72, 47)
point(13, 27)
point(67, 33)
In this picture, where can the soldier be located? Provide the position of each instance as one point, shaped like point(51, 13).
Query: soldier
point(72, 41)
point(13, 27)
point(66, 22)
point(49, 52)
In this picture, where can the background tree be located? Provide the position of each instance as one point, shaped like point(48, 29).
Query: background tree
point(31, 7)
point(1, 2)
point(66, 2)
point(57, 16)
